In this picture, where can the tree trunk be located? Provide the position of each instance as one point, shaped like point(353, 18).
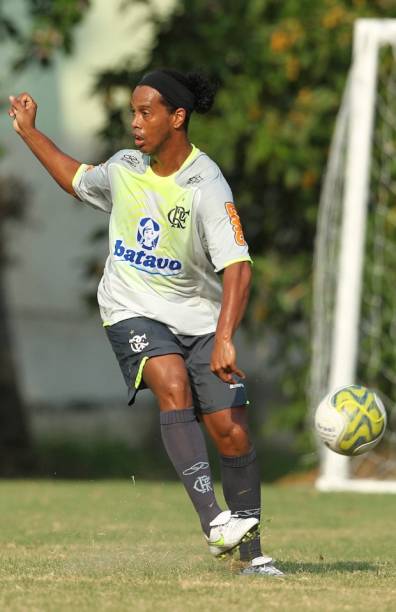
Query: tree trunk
point(16, 453)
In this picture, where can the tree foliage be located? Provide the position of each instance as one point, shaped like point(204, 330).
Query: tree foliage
point(282, 67)
point(51, 24)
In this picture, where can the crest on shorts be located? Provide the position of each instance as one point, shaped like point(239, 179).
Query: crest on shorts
point(137, 342)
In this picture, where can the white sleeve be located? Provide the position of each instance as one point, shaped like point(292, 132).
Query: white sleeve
point(220, 225)
point(91, 184)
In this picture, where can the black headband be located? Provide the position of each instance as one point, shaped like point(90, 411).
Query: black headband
point(174, 92)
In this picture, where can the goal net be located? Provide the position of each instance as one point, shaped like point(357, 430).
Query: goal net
point(354, 311)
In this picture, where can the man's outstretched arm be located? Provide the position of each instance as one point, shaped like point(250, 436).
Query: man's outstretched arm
point(61, 167)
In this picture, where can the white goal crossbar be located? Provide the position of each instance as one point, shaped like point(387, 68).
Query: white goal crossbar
point(369, 36)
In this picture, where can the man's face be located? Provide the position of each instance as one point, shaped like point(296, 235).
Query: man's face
point(152, 123)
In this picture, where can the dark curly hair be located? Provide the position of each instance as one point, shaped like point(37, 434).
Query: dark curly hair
point(203, 88)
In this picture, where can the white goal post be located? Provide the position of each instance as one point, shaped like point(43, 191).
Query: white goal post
point(370, 35)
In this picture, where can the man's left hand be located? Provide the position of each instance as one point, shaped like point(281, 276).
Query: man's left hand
point(223, 361)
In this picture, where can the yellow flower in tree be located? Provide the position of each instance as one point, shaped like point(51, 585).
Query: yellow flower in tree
point(292, 68)
point(304, 96)
point(286, 36)
point(280, 41)
point(309, 179)
point(336, 16)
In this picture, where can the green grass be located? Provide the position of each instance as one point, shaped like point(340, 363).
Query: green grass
point(137, 547)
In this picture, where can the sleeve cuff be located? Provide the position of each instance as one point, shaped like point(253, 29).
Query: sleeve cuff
point(232, 261)
point(83, 168)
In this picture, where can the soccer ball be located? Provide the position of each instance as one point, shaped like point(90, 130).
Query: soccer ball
point(351, 420)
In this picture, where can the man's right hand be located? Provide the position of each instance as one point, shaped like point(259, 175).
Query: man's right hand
point(23, 111)
point(61, 167)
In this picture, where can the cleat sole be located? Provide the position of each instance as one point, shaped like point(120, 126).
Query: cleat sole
point(250, 535)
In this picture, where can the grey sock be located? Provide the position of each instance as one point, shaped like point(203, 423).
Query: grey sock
point(185, 444)
point(242, 492)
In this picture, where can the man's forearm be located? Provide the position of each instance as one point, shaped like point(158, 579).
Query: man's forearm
point(236, 289)
point(60, 166)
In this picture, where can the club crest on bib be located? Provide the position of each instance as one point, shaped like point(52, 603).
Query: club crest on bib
point(178, 217)
point(148, 233)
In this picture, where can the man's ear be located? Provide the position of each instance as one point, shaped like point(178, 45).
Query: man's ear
point(179, 117)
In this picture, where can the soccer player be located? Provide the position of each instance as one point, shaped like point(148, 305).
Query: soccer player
point(174, 235)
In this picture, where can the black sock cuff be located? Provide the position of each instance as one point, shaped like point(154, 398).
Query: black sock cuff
point(241, 461)
point(171, 417)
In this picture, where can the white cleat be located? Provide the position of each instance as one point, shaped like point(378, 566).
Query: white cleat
point(261, 566)
point(229, 531)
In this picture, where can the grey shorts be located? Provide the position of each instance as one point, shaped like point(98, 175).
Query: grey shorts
point(135, 340)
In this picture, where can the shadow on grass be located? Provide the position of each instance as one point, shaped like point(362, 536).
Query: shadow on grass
point(327, 568)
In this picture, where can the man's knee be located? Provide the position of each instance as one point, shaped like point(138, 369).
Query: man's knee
point(175, 393)
point(233, 439)
point(167, 377)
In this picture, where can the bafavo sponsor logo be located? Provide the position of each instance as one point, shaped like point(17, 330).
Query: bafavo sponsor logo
point(147, 237)
point(144, 262)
